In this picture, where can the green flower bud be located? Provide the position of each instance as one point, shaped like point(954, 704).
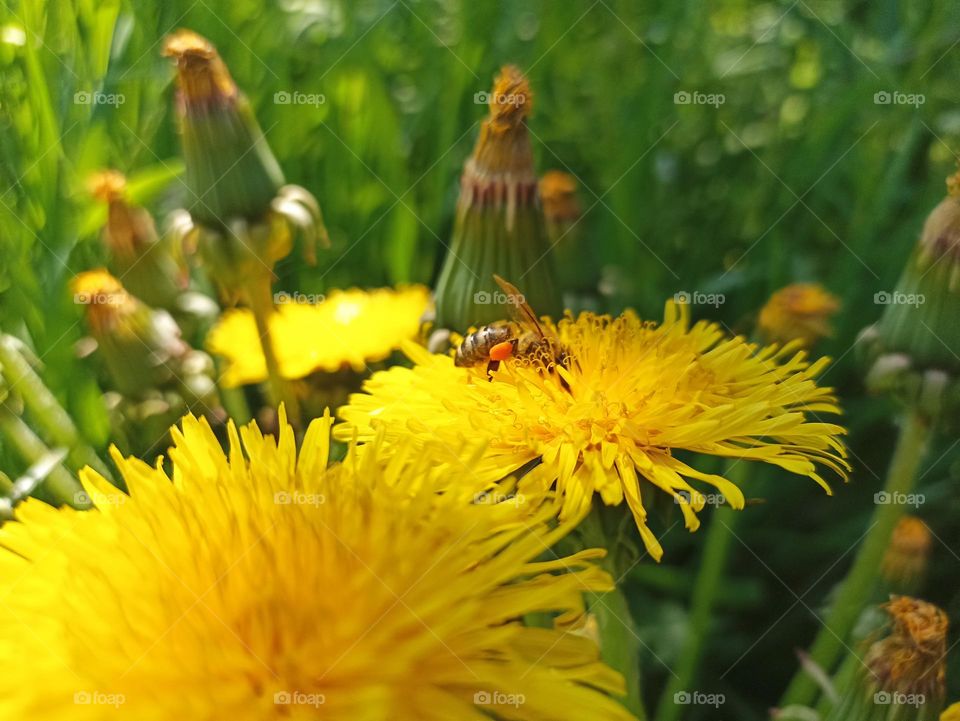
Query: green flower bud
point(914, 349)
point(141, 347)
point(231, 171)
point(499, 227)
point(146, 263)
point(240, 213)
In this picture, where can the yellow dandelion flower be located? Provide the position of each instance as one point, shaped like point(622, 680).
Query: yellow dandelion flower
point(262, 584)
point(801, 311)
point(633, 395)
point(349, 328)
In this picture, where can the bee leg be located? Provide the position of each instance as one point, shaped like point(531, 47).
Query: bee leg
point(492, 367)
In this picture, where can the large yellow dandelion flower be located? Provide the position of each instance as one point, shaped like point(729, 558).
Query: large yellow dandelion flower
point(348, 328)
point(261, 584)
point(633, 395)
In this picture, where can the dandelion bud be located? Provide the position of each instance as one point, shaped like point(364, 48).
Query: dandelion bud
point(230, 170)
point(137, 254)
point(138, 345)
point(905, 562)
point(800, 312)
point(902, 675)
point(135, 341)
point(499, 227)
point(241, 215)
point(920, 317)
point(918, 326)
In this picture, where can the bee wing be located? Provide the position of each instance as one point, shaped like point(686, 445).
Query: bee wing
point(519, 308)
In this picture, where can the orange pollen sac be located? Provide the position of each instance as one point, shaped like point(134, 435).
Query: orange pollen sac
point(501, 351)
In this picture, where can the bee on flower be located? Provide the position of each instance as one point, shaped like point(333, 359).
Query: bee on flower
point(609, 421)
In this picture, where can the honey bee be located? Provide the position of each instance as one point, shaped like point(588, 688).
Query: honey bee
point(520, 337)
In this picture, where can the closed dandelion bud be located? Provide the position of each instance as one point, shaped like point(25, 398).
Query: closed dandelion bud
point(902, 676)
point(919, 320)
point(905, 562)
point(137, 343)
point(137, 254)
point(230, 170)
point(238, 202)
point(920, 317)
point(798, 312)
point(499, 226)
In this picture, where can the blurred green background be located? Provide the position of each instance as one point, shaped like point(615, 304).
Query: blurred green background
point(800, 174)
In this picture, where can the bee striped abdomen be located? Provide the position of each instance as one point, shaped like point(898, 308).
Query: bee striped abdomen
point(475, 348)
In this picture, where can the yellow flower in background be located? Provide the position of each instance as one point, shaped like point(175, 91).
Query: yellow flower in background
point(634, 394)
point(951, 714)
point(801, 311)
point(262, 584)
point(348, 328)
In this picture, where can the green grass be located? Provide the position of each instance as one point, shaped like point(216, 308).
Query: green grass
point(798, 175)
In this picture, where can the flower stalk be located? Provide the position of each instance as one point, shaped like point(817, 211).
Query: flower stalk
point(45, 409)
point(855, 590)
point(617, 631)
point(59, 483)
point(261, 304)
point(712, 567)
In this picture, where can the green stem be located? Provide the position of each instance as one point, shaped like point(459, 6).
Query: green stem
point(59, 483)
point(619, 639)
point(716, 553)
point(45, 410)
point(261, 304)
point(233, 399)
point(855, 591)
